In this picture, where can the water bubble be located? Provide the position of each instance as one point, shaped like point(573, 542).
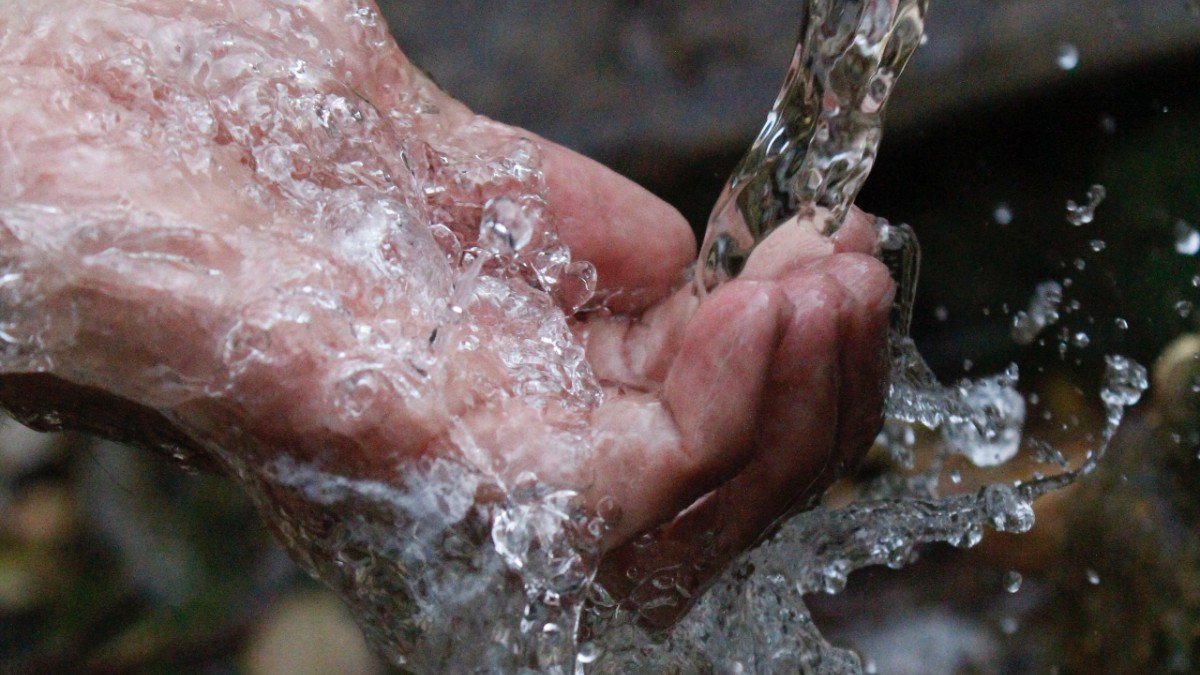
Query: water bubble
point(1012, 581)
point(508, 224)
point(1184, 308)
point(1108, 124)
point(1081, 340)
point(1003, 214)
point(1121, 324)
point(956, 476)
point(577, 285)
point(1080, 264)
point(1097, 245)
point(1093, 577)
point(1187, 238)
point(1196, 281)
point(1083, 214)
point(1067, 57)
point(941, 313)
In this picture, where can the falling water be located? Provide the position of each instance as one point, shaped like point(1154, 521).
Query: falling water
point(822, 135)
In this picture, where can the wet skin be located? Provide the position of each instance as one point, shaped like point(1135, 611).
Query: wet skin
point(719, 415)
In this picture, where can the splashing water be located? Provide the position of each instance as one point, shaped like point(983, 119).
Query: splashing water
point(451, 565)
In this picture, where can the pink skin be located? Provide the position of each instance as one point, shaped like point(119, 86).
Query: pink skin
point(719, 415)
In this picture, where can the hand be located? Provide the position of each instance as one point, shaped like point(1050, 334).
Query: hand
point(236, 231)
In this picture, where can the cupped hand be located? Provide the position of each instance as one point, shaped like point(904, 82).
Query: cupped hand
point(252, 230)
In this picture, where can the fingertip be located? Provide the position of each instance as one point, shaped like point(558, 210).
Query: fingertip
point(858, 233)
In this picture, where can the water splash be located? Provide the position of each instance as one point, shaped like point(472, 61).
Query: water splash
point(448, 565)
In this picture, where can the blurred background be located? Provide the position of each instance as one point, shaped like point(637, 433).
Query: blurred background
point(113, 561)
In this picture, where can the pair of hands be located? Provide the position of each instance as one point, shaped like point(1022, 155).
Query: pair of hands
point(216, 217)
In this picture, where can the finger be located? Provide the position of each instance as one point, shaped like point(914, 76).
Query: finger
point(639, 244)
point(792, 246)
point(864, 359)
point(655, 457)
point(858, 234)
point(821, 408)
point(792, 445)
point(819, 412)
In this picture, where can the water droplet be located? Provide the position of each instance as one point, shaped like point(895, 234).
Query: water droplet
point(1048, 454)
point(1009, 625)
point(588, 653)
point(1093, 577)
point(1042, 312)
point(1067, 57)
point(1012, 581)
point(1097, 245)
point(1083, 214)
point(1124, 382)
point(1108, 124)
point(1003, 214)
point(1184, 308)
point(956, 476)
point(1081, 340)
point(1121, 324)
point(1080, 264)
point(576, 286)
point(941, 313)
point(1187, 238)
point(1196, 281)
